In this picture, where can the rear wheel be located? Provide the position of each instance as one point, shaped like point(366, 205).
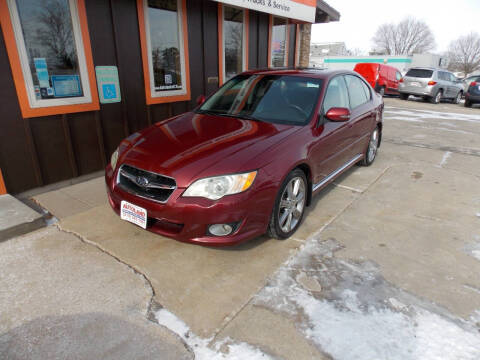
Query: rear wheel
point(289, 206)
point(404, 96)
point(438, 96)
point(372, 148)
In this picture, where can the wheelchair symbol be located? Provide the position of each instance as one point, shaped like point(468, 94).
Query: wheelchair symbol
point(109, 91)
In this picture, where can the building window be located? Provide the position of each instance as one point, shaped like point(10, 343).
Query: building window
point(50, 55)
point(233, 44)
point(163, 30)
point(278, 52)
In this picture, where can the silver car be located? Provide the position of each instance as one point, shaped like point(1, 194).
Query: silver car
point(432, 84)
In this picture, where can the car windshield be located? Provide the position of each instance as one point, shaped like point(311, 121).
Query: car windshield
point(279, 99)
point(420, 73)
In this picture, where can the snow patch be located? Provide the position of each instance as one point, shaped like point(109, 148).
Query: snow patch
point(445, 158)
point(234, 351)
point(358, 315)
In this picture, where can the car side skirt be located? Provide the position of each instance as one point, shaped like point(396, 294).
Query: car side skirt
point(332, 175)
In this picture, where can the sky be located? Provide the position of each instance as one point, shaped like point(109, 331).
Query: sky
point(448, 19)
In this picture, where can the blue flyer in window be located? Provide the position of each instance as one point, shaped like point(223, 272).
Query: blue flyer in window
point(66, 85)
point(42, 72)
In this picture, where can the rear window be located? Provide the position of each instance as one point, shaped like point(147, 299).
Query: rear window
point(420, 73)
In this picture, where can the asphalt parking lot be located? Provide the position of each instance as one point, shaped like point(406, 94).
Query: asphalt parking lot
point(385, 266)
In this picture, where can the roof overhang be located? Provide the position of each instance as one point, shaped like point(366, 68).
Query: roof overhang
point(325, 13)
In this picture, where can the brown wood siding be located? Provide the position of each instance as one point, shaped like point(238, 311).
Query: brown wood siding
point(44, 150)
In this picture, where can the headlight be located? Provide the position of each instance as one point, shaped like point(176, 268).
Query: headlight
point(214, 188)
point(113, 159)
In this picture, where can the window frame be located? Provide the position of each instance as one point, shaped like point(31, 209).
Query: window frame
point(221, 41)
point(22, 74)
point(162, 97)
point(270, 39)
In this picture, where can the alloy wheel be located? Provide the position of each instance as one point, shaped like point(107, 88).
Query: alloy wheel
point(438, 97)
point(458, 98)
point(292, 204)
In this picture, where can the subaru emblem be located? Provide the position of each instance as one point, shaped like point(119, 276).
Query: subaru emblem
point(142, 181)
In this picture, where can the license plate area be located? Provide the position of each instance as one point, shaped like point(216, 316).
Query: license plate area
point(415, 83)
point(133, 213)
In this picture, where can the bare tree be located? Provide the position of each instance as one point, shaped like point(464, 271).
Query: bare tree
point(405, 38)
point(56, 33)
point(464, 54)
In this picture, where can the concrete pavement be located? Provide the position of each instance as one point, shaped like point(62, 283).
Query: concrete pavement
point(400, 238)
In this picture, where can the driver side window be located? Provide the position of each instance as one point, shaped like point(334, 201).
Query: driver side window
point(336, 95)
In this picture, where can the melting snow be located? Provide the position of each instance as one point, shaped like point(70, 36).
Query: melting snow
point(433, 115)
point(445, 158)
point(358, 315)
point(236, 351)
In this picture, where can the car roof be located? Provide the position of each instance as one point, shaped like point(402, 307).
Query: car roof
point(313, 72)
point(427, 68)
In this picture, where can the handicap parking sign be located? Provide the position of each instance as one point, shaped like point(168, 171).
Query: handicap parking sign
point(109, 91)
point(108, 84)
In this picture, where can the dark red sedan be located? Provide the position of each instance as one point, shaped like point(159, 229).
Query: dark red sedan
point(249, 159)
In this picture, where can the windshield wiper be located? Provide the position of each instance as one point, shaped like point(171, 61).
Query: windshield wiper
point(238, 116)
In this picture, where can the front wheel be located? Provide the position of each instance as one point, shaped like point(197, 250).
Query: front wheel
point(289, 206)
point(381, 91)
point(468, 103)
point(372, 148)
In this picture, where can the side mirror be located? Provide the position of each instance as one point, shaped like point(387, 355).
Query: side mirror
point(200, 99)
point(338, 114)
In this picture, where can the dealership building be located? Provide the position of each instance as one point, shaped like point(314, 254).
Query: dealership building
point(80, 75)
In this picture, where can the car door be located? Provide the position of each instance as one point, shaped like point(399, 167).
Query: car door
point(446, 84)
point(331, 137)
point(362, 116)
point(454, 84)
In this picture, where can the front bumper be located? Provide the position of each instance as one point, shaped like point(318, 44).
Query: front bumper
point(187, 219)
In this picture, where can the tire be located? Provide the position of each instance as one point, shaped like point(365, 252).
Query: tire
point(468, 103)
point(289, 207)
point(458, 97)
point(404, 96)
point(438, 96)
point(372, 148)
point(381, 91)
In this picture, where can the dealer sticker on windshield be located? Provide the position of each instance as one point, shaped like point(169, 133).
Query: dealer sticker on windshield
point(133, 213)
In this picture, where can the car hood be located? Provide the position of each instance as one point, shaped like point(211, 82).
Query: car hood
point(199, 145)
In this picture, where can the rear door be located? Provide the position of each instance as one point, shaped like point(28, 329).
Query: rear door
point(362, 115)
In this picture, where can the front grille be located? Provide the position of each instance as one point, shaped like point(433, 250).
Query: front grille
point(145, 184)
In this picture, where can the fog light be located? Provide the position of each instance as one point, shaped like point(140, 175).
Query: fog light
point(220, 229)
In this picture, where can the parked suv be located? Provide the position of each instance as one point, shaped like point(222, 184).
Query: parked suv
point(383, 78)
point(472, 96)
point(431, 84)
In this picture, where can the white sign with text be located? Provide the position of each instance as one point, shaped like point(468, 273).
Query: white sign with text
point(303, 10)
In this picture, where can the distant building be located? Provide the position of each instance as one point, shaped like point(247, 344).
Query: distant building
point(402, 63)
point(328, 49)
